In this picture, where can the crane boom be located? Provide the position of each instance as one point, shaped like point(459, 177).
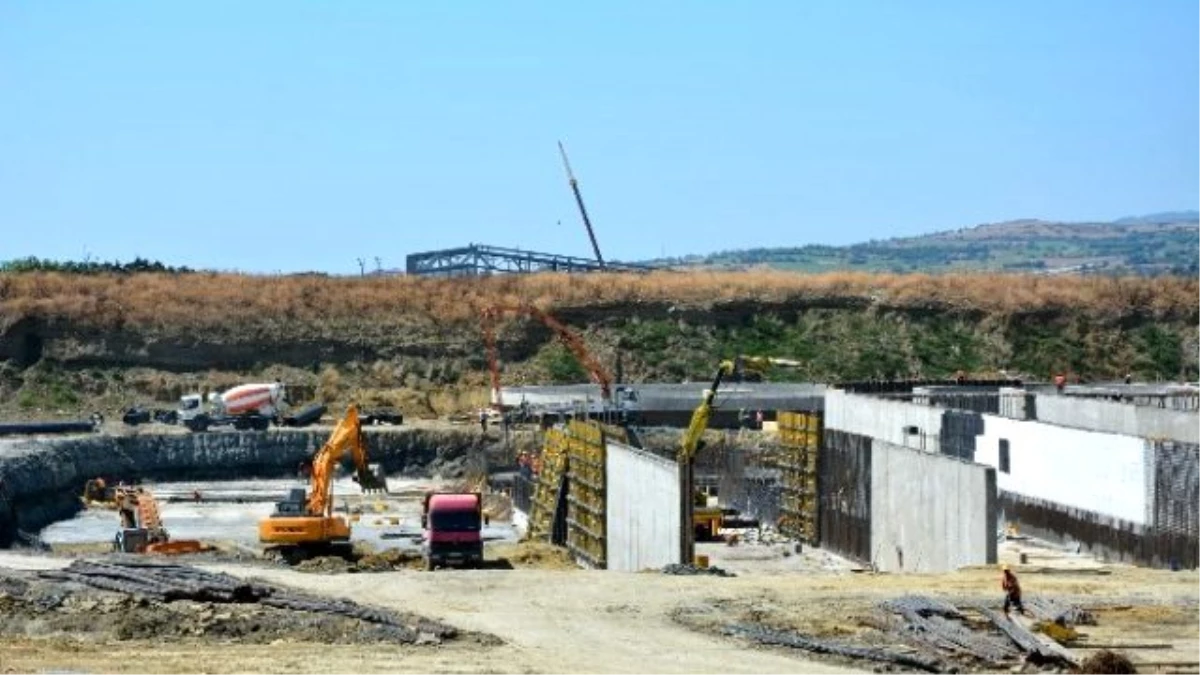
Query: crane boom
point(691, 442)
point(587, 222)
point(568, 337)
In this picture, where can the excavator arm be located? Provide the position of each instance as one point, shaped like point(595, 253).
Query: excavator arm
point(347, 434)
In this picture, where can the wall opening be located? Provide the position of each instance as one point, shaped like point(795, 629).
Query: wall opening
point(1005, 461)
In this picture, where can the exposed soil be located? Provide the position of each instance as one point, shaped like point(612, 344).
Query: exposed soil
point(32, 606)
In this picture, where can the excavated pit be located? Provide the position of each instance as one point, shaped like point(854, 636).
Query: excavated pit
point(41, 478)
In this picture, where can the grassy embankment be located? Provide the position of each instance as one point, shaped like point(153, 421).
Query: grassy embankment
point(70, 343)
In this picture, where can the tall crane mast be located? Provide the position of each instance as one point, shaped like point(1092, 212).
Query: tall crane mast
point(582, 209)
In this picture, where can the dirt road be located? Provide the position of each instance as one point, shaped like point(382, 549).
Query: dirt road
point(582, 621)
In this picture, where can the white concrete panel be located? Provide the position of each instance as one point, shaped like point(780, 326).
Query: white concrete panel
point(1119, 418)
point(642, 510)
point(1100, 472)
point(929, 513)
point(883, 419)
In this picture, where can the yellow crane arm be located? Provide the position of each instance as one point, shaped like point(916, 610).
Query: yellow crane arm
point(695, 431)
point(347, 433)
point(696, 428)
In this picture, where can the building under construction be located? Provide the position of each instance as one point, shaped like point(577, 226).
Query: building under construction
point(484, 260)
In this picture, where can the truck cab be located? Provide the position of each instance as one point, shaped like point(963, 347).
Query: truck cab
point(453, 529)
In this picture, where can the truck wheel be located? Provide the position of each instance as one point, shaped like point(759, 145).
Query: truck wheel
point(429, 566)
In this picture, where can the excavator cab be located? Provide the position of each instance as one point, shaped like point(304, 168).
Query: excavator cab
point(293, 504)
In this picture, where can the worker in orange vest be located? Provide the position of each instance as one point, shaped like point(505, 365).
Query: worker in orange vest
point(1012, 591)
point(1060, 382)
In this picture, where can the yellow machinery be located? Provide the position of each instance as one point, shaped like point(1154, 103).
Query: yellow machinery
point(303, 525)
point(708, 518)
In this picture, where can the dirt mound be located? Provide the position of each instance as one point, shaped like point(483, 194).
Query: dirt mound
point(138, 601)
point(534, 554)
point(1105, 661)
point(364, 559)
point(386, 561)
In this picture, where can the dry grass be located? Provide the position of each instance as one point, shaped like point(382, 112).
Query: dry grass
point(229, 302)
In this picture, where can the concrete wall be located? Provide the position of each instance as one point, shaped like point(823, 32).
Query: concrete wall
point(883, 419)
point(643, 509)
point(930, 513)
point(1119, 418)
point(1098, 472)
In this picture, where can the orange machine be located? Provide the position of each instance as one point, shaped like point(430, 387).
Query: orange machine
point(303, 525)
point(566, 335)
point(142, 530)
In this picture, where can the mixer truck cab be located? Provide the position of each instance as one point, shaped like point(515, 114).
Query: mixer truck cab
point(453, 525)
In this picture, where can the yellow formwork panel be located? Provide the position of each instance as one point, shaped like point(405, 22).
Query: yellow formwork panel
point(798, 460)
point(586, 518)
point(545, 496)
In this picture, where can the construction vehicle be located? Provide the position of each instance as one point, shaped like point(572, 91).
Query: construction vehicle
point(303, 524)
point(625, 400)
point(453, 529)
point(246, 406)
point(706, 520)
point(142, 529)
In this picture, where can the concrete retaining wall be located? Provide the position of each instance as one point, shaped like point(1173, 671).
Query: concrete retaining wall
point(1119, 418)
point(1097, 472)
point(898, 422)
point(40, 480)
point(930, 512)
point(643, 509)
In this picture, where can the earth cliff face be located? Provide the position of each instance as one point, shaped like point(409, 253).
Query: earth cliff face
point(73, 343)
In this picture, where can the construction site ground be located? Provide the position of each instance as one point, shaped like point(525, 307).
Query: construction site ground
point(538, 614)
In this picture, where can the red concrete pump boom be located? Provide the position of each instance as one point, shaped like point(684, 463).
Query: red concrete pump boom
point(565, 335)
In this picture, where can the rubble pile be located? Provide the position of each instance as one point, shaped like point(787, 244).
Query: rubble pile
point(692, 570)
point(912, 632)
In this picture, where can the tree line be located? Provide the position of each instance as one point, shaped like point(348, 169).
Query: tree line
point(135, 266)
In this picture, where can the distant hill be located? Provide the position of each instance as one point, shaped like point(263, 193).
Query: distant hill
point(1162, 243)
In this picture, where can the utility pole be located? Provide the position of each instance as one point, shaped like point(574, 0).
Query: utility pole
point(587, 222)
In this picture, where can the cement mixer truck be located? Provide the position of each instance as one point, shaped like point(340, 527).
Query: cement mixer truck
point(246, 406)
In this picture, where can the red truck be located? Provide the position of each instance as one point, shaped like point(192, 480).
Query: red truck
point(453, 524)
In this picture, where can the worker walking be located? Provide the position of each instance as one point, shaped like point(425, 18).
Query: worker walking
point(483, 420)
point(1012, 591)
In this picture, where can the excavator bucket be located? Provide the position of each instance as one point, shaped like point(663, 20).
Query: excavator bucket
point(373, 480)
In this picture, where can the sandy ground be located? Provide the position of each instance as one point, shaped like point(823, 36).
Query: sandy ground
point(588, 621)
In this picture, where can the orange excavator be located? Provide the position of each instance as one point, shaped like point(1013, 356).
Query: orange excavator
point(304, 525)
point(142, 529)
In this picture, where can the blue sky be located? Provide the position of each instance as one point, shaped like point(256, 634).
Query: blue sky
point(290, 135)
